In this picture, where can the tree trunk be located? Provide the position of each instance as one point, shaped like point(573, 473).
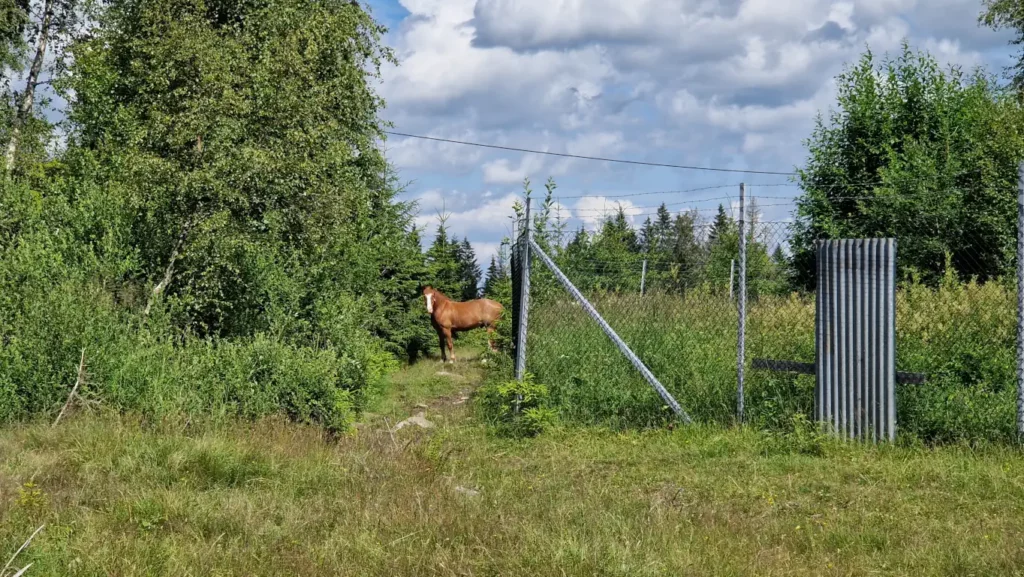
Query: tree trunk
point(169, 271)
point(28, 97)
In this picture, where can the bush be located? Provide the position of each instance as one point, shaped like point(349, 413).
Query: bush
point(517, 409)
point(66, 285)
point(143, 368)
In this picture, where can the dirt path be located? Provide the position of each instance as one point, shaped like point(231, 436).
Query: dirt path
point(428, 389)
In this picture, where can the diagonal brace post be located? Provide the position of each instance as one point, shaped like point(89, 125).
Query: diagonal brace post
point(576, 294)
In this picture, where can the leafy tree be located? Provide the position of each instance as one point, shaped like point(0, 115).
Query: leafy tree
point(547, 229)
point(14, 18)
point(918, 153)
point(50, 32)
point(222, 211)
point(208, 112)
point(1002, 15)
point(242, 142)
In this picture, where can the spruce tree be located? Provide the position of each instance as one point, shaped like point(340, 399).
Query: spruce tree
point(469, 271)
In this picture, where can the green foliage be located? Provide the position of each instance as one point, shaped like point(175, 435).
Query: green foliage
point(495, 275)
point(469, 271)
point(242, 139)
point(963, 335)
point(221, 234)
point(444, 268)
point(499, 288)
point(451, 265)
point(680, 257)
point(14, 17)
point(920, 154)
point(1003, 15)
point(517, 409)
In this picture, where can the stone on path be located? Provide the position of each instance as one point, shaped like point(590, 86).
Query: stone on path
point(419, 419)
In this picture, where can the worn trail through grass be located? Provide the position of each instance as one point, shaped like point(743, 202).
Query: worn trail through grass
point(122, 497)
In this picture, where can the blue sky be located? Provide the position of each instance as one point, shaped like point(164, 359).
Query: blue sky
point(728, 83)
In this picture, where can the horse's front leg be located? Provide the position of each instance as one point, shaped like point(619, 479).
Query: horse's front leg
point(441, 343)
point(451, 346)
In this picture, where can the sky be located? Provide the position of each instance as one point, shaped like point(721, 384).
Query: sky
point(728, 84)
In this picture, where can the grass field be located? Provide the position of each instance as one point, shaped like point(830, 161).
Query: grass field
point(120, 497)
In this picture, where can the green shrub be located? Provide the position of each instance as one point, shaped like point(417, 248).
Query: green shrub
point(517, 409)
point(52, 306)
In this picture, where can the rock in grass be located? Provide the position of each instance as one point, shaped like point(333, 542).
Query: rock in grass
point(467, 492)
point(419, 420)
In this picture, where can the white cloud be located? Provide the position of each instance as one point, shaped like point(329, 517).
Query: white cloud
point(484, 251)
point(418, 153)
point(501, 171)
point(491, 217)
point(593, 210)
point(732, 83)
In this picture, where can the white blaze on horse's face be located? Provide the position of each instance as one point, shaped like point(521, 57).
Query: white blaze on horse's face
point(430, 303)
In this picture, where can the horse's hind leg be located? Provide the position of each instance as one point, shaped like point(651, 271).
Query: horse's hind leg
point(490, 337)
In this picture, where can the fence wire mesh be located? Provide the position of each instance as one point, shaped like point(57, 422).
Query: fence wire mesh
point(668, 286)
point(956, 322)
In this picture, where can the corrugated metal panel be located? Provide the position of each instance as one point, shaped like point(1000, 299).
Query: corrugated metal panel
point(855, 333)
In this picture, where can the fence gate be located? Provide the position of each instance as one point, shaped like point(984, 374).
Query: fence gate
point(855, 334)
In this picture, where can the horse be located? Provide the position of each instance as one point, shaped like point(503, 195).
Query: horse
point(450, 316)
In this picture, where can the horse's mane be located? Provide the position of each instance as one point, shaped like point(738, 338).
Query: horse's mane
point(440, 294)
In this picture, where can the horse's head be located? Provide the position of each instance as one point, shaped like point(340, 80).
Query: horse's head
point(429, 295)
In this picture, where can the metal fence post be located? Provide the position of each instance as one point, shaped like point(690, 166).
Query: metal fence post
point(1020, 299)
point(741, 338)
point(524, 299)
point(732, 273)
point(643, 277)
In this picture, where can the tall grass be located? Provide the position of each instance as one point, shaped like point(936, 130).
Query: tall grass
point(146, 367)
point(962, 335)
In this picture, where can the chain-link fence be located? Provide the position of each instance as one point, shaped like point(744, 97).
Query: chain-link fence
point(671, 290)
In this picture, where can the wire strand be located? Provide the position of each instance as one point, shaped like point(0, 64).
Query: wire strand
point(582, 157)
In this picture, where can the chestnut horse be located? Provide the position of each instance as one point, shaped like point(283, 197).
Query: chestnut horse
point(450, 316)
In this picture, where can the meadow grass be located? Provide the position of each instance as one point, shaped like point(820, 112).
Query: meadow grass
point(122, 496)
